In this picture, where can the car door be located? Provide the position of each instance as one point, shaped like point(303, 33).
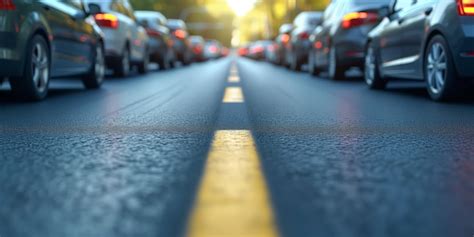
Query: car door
point(82, 48)
point(62, 20)
point(414, 25)
point(392, 40)
point(138, 33)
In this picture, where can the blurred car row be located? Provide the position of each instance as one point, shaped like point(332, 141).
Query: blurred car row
point(43, 39)
point(424, 40)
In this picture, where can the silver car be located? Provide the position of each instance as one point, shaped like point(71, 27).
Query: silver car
point(125, 40)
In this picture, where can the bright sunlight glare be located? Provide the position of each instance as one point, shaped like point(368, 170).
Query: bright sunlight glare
point(241, 7)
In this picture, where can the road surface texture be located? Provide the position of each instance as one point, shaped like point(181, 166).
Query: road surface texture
point(166, 153)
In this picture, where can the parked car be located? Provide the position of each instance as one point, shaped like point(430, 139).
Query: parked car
point(159, 44)
point(126, 41)
point(430, 40)
point(258, 49)
point(212, 49)
point(339, 43)
point(44, 39)
point(243, 51)
point(300, 45)
point(225, 52)
point(283, 41)
point(271, 52)
point(180, 37)
point(197, 46)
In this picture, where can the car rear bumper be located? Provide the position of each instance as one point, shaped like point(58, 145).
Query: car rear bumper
point(180, 46)
point(463, 51)
point(351, 53)
point(302, 49)
point(157, 48)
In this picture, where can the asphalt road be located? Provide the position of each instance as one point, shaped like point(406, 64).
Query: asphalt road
point(338, 159)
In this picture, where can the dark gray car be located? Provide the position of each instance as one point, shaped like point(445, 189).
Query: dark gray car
point(159, 44)
point(303, 25)
point(283, 42)
point(339, 43)
point(180, 37)
point(430, 40)
point(44, 39)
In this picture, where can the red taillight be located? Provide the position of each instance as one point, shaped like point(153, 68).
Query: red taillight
point(318, 45)
point(7, 5)
point(304, 35)
point(180, 34)
point(213, 49)
point(258, 49)
point(285, 38)
point(466, 7)
point(107, 20)
point(355, 19)
point(197, 49)
point(152, 32)
point(243, 51)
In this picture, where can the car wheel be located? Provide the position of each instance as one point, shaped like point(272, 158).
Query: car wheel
point(335, 70)
point(35, 81)
point(371, 70)
point(313, 68)
point(95, 77)
point(440, 74)
point(122, 69)
point(143, 65)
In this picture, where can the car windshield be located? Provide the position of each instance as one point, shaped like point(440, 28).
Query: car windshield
point(105, 5)
point(176, 24)
point(314, 20)
point(371, 2)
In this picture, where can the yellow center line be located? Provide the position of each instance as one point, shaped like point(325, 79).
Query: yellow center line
point(233, 95)
point(233, 200)
point(234, 79)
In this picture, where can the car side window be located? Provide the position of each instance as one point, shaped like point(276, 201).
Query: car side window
point(403, 4)
point(77, 4)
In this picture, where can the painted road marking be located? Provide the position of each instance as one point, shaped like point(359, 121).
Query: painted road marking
point(233, 200)
point(233, 95)
point(234, 79)
point(233, 69)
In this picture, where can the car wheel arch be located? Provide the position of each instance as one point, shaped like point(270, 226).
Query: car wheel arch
point(431, 35)
point(376, 47)
point(43, 33)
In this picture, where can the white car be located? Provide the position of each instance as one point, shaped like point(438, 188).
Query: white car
point(126, 41)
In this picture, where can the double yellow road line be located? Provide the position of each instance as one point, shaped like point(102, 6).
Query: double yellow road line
point(233, 199)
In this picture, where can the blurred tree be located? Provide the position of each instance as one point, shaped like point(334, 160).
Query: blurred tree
point(192, 10)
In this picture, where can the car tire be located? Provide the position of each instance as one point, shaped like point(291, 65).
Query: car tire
point(371, 70)
point(122, 68)
point(313, 68)
point(440, 73)
point(34, 83)
point(143, 65)
point(95, 77)
point(335, 70)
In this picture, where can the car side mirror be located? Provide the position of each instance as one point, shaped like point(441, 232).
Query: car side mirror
point(94, 9)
